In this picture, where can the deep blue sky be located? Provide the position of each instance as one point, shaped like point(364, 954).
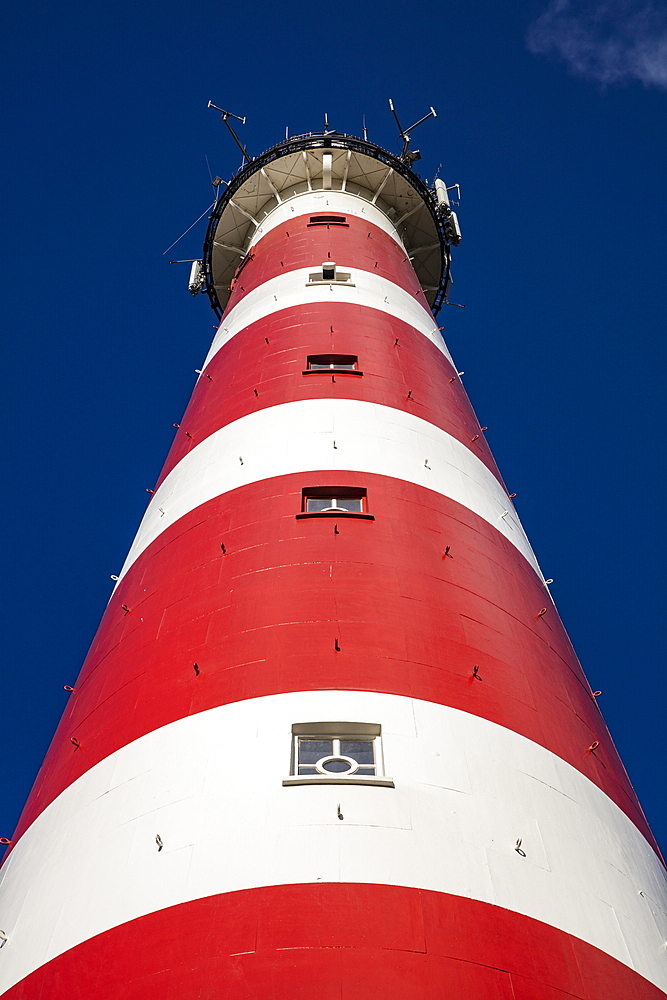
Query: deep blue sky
point(561, 269)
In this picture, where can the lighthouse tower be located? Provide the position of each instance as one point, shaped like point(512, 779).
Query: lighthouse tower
point(331, 739)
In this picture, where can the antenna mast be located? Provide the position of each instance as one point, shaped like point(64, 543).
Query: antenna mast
point(408, 156)
point(224, 117)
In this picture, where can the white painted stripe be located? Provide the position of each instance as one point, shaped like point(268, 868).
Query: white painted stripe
point(300, 436)
point(211, 787)
point(324, 203)
point(291, 289)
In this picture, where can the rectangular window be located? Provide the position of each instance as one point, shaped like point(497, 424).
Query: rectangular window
point(336, 753)
point(334, 501)
point(333, 362)
point(336, 756)
point(329, 272)
point(328, 220)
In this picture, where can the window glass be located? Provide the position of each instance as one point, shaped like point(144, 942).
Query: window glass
point(318, 503)
point(336, 765)
point(353, 504)
point(349, 503)
point(314, 366)
point(332, 362)
point(361, 750)
point(340, 755)
point(310, 751)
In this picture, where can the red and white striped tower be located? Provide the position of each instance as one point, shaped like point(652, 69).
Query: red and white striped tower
point(331, 739)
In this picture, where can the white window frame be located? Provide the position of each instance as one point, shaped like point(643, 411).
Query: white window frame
point(337, 731)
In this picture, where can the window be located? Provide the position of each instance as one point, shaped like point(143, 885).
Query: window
point(329, 272)
point(336, 756)
point(337, 752)
point(334, 501)
point(328, 220)
point(333, 362)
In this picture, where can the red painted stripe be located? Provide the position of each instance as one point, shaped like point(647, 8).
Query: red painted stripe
point(409, 620)
point(334, 941)
point(247, 365)
point(295, 245)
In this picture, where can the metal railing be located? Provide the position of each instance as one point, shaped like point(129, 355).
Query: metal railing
point(328, 140)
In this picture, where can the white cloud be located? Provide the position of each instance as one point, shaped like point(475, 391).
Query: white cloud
point(612, 41)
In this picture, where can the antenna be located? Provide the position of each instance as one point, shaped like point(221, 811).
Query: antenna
point(363, 128)
point(407, 156)
point(224, 117)
point(326, 123)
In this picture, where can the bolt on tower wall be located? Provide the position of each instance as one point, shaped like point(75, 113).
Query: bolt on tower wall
point(331, 738)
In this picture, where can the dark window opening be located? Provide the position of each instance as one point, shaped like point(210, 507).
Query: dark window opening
point(332, 362)
point(328, 220)
point(329, 272)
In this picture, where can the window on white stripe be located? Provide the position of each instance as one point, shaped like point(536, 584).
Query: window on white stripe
point(328, 271)
point(338, 749)
point(339, 755)
point(337, 752)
